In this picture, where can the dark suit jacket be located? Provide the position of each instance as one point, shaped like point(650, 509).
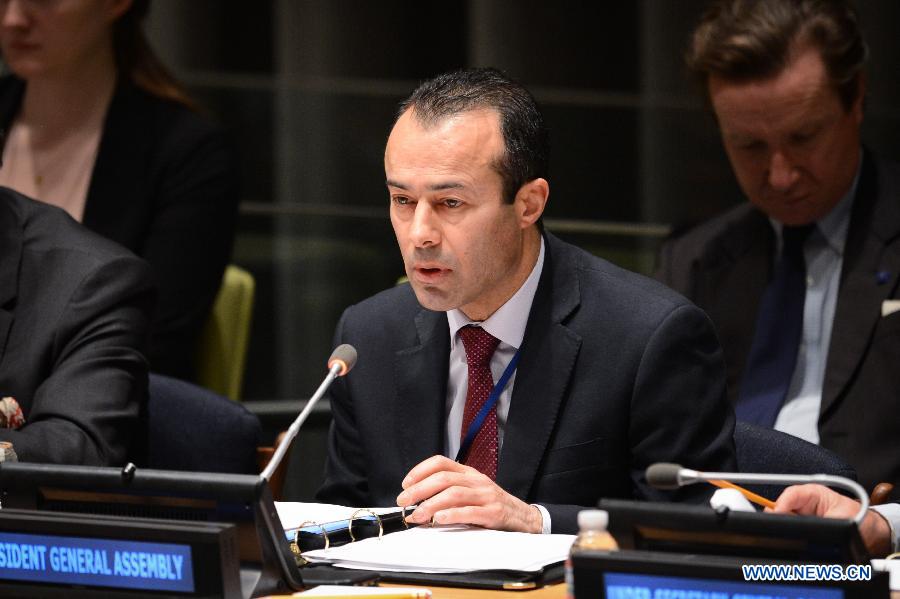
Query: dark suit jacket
point(74, 315)
point(724, 266)
point(616, 373)
point(164, 186)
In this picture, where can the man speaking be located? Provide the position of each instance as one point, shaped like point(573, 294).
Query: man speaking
point(516, 379)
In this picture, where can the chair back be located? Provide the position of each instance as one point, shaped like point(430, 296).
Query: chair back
point(222, 350)
point(769, 451)
point(193, 429)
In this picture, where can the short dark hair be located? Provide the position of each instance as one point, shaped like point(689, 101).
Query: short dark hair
point(743, 40)
point(526, 142)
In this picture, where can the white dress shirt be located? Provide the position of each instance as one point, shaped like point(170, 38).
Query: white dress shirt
point(891, 513)
point(508, 325)
point(823, 253)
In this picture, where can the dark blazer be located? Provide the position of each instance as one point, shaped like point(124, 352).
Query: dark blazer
point(724, 266)
point(74, 316)
point(164, 186)
point(616, 373)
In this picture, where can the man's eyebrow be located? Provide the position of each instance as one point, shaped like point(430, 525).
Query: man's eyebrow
point(739, 135)
point(432, 187)
point(447, 185)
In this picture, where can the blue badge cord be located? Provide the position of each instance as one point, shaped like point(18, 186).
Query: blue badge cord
point(477, 423)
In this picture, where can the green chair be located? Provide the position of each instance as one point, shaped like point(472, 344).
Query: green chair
point(222, 351)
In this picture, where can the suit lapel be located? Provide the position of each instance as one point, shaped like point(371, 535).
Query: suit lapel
point(11, 240)
point(12, 90)
point(738, 270)
point(869, 276)
point(549, 351)
point(421, 375)
point(121, 159)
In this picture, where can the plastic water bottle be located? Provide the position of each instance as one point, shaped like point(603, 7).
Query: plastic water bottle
point(7, 453)
point(592, 536)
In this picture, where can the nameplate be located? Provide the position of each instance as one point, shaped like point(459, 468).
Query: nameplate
point(93, 556)
point(96, 562)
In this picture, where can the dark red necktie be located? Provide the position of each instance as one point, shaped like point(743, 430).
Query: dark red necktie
point(480, 346)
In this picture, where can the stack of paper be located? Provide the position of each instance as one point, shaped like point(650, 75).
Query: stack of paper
point(448, 549)
point(893, 567)
point(292, 514)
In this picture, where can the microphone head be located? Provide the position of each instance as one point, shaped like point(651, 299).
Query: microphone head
point(345, 355)
point(664, 475)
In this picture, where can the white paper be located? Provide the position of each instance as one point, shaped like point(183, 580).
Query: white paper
point(448, 549)
point(892, 566)
point(732, 499)
point(292, 513)
point(888, 307)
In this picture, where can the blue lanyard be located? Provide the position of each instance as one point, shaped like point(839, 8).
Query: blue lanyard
point(476, 424)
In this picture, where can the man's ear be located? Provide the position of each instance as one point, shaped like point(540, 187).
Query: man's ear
point(531, 199)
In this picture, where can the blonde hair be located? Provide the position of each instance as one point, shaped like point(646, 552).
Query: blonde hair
point(741, 40)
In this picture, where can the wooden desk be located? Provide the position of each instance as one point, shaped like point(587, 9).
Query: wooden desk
point(554, 591)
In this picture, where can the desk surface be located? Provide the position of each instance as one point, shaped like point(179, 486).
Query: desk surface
point(554, 591)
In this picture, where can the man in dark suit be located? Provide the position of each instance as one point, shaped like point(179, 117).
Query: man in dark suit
point(785, 80)
point(164, 186)
point(596, 372)
point(74, 316)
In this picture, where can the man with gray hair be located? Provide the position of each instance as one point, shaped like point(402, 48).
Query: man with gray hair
point(802, 281)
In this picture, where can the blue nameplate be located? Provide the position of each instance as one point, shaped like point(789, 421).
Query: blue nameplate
point(634, 586)
point(96, 562)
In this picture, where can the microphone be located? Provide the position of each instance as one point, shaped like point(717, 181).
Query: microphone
point(342, 359)
point(343, 355)
point(672, 476)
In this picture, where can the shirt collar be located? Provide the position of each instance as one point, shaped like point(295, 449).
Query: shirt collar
point(833, 226)
point(508, 323)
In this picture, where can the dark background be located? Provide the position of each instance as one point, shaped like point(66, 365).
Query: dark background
point(309, 87)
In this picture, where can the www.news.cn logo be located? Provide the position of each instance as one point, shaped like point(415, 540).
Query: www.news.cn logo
point(806, 572)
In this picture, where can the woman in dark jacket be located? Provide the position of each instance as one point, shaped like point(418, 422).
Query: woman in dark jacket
point(95, 124)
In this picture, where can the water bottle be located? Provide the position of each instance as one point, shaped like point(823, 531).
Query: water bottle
point(592, 535)
point(7, 454)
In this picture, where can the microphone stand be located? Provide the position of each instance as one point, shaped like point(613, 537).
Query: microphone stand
point(687, 476)
point(333, 372)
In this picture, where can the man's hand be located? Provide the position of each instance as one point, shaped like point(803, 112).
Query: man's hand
point(453, 493)
point(816, 500)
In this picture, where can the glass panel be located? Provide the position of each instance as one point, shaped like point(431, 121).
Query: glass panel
point(306, 275)
point(213, 35)
point(309, 89)
point(248, 116)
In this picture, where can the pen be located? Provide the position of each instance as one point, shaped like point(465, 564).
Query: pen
point(757, 499)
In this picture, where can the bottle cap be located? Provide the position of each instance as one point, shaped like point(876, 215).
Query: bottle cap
point(593, 519)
